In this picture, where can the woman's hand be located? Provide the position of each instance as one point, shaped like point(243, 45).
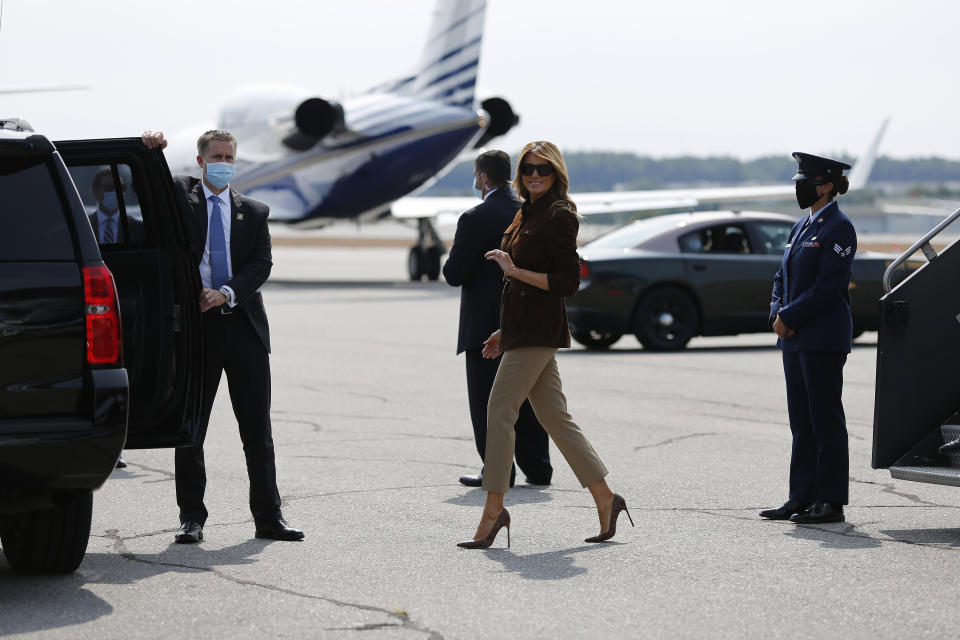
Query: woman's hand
point(491, 346)
point(503, 259)
point(781, 329)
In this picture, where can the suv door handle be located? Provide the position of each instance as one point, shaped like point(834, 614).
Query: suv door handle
point(175, 315)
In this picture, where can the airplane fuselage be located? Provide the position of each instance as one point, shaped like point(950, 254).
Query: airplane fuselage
point(390, 146)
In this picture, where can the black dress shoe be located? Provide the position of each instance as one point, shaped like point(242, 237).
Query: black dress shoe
point(189, 533)
point(784, 511)
point(472, 481)
point(278, 530)
point(541, 482)
point(951, 447)
point(121, 463)
point(819, 513)
point(477, 480)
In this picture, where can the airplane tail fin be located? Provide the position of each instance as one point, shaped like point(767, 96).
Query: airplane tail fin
point(451, 58)
point(864, 164)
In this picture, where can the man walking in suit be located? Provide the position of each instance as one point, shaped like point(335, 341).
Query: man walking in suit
point(480, 230)
point(229, 236)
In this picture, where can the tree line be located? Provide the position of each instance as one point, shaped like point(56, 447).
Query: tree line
point(608, 171)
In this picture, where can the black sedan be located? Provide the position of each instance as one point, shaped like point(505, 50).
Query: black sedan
point(669, 278)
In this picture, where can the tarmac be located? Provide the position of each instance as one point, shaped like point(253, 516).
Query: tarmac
point(372, 431)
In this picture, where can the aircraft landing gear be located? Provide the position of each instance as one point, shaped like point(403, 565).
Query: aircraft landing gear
point(424, 258)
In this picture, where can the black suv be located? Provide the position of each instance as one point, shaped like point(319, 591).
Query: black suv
point(100, 341)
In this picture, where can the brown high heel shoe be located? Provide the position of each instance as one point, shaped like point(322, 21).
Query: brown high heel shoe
point(619, 504)
point(503, 520)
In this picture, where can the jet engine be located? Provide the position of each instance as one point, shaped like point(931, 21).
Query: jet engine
point(315, 119)
point(502, 119)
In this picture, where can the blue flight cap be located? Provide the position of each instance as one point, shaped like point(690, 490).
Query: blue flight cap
point(812, 166)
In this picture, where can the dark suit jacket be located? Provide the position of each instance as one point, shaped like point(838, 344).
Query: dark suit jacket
point(479, 230)
point(811, 291)
point(542, 238)
point(250, 248)
point(136, 229)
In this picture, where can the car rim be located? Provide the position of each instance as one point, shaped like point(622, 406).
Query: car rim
point(668, 321)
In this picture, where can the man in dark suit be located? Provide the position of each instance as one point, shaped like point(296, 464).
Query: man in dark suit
point(230, 239)
point(107, 223)
point(480, 230)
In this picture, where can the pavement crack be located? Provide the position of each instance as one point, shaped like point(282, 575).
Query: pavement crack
point(889, 487)
point(168, 475)
point(403, 617)
point(676, 439)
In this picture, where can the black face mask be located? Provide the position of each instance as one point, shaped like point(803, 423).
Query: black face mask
point(806, 193)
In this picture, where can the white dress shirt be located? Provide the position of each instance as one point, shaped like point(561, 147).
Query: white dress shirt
point(206, 270)
point(102, 219)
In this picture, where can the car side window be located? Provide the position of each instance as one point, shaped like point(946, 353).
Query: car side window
point(773, 236)
point(109, 195)
point(34, 218)
point(720, 238)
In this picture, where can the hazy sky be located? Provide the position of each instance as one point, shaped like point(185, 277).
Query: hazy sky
point(740, 77)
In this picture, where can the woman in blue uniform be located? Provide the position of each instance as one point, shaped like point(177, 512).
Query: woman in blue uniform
point(810, 312)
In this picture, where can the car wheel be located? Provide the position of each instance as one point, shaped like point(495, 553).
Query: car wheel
point(666, 320)
point(415, 263)
point(52, 540)
point(596, 339)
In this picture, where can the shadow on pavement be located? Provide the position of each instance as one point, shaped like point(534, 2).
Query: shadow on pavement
point(840, 535)
point(926, 536)
point(518, 495)
point(700, 349)
point(550, 565)
point(19, 594)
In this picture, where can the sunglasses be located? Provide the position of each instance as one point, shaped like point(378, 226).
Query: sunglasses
point(543, 170)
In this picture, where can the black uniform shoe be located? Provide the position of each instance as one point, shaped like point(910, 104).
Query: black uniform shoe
point(819, 513)
point(542, 482)
point(121, 463)
point(784, 511)
point(477, 480)
point(951, 447)
point(278, 530)
point(472, 481)
point(190, 533)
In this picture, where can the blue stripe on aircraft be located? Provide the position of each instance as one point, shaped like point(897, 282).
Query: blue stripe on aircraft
point(463, 85)
point(453, 52)
point(450, 74)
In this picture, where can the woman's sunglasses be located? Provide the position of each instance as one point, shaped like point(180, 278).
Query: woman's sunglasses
point(543, 170)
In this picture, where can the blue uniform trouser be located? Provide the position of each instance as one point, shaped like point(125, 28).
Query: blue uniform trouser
point(819, 465)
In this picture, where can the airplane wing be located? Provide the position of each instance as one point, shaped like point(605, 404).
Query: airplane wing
point(592, 203)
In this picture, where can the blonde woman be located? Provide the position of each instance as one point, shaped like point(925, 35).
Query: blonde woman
point(538, 256)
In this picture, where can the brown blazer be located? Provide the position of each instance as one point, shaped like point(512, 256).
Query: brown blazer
point(542, 238)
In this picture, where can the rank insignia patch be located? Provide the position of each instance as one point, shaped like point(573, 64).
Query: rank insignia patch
point(843, 253)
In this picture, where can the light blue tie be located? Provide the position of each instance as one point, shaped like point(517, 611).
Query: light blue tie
point(218, 247)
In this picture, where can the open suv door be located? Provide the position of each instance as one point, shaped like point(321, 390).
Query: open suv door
point(157, 280)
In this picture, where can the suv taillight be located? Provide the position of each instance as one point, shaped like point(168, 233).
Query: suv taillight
point(103, 316)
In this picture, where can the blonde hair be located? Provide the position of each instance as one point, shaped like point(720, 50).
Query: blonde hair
point(214, 134)
point(561, 183)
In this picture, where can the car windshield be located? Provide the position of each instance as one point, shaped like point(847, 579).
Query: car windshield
point(634, 234)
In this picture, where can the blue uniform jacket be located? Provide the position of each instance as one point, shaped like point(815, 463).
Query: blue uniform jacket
point(811, 289)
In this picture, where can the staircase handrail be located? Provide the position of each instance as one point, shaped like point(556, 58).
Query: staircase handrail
point(923, 244)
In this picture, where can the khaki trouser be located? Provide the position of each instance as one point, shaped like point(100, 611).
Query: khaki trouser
point(531, 372)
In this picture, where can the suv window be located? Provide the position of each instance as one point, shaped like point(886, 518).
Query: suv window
point(109, 196)
point(721, 238)
point(34, 221)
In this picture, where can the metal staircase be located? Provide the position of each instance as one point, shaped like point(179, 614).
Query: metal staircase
point(918, 348)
